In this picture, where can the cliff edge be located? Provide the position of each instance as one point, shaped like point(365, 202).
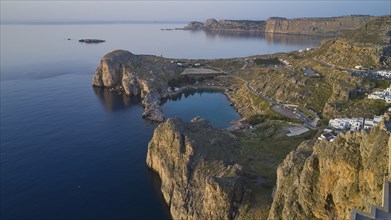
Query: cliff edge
point(199, 177)
point(326, 180)
point(315, 26)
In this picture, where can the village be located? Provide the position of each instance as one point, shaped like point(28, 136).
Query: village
point(365, 72)
point(338, 125)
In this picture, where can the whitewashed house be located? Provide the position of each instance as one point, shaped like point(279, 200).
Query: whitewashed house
point(339, 123)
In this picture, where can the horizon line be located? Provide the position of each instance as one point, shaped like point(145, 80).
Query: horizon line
point(31, 22)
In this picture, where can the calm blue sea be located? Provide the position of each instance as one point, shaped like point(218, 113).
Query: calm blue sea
point(69, 151)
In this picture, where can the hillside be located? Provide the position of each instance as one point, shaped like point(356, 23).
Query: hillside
point(368, 46)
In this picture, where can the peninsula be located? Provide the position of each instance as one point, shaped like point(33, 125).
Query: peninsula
point(274, 163)
point(277, 25)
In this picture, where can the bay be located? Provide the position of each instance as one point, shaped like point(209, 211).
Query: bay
point(70, 151)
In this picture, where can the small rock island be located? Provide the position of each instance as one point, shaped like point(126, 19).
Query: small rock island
point(91, 41)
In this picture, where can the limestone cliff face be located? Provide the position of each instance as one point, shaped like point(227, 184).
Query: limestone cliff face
point(315, 26)
point(368, 46)
point(195, 165)
point(326, 180)
point(303, 26)
point(136, 75)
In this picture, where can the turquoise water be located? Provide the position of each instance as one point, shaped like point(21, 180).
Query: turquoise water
point(209, 104)
point(69, 151)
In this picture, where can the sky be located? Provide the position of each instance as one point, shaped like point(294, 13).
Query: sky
point(127, 10)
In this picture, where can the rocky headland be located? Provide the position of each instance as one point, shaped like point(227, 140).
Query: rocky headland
point(200, 179)
point(136, 75)
point(277, 25)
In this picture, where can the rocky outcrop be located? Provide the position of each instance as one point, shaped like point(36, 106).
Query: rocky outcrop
point(368, 46)
point(326, 180)
point(91, 41)
point(195, 25)
point(136, 75)
point(302, 26)
point(199, 179)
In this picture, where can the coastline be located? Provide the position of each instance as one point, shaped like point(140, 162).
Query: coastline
point(252, 85)
point(326, 26)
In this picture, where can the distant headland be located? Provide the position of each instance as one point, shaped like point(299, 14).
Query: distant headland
point(303, 26)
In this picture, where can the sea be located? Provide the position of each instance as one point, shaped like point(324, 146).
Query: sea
point(71, 151)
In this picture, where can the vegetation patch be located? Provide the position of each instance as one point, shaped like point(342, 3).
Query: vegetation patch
point(378, 83)
point(183, 80)
point(262, 149)
point(266, 62)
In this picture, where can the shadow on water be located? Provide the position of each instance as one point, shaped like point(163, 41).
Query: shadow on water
point(112, 101)
point(156, 184)
point(284, 39)
point(292, 39)
point(233, 34)
point(189, 92)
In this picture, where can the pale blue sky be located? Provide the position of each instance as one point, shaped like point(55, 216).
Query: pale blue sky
point(71, 10)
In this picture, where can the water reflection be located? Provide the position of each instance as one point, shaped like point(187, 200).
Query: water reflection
point(291, 39)
point(114, 102)
point(190, 92)
point(285, 39)
point(233, 34)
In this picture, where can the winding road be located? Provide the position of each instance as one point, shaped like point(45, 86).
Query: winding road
point(278, 107)
point(284, 110)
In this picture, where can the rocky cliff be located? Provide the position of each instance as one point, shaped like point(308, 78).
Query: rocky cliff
point(195, 163)
point(303, 26)
point(136, 75)
point(369, 46)
point(315, 26)
point(326, 180)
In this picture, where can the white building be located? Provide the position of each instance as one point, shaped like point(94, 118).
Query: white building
point(284, 62)
point(356, 124)
point(352, 124)
point(377, 119)
point(327, 136)
point(368, 124)
point(382, 95)
point(339, 123)
point(384, 73)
